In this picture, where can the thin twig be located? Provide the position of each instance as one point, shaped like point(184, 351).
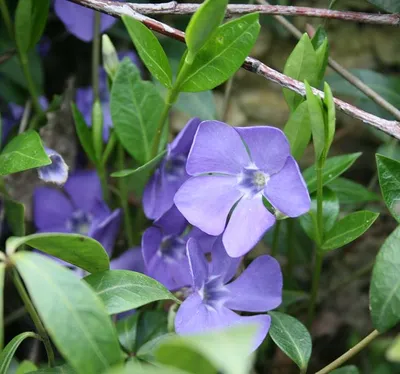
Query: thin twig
point(118, 9)
point(173, 7)
point(355, 81)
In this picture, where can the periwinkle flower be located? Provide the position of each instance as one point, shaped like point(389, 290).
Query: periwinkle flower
point(214, 298)
point(238, 168)
point(80, 209)
point(57, 171)
point(79, 21)
point(164, 249)
point(159, 192)
point(85, 98)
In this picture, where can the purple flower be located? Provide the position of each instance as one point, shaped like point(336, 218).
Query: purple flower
point(79, 20)
point(164, 249)
point(80, 209)
point(57, 171)
point(84, 96)
point(212, 301)
point(159, 192)
point(240, 167)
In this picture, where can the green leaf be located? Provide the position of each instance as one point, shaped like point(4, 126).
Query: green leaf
point(8, 353)
point(152, 324)
point(290, 297)
point(122, 290)
point(150, 50)
point(26, 367)
point(204, 23)
point(348, 229)
point(330, 119)
point(23, 152)
point(62, 369)
point(333, 167)
point(148, 350)
point(389, 180)
point(319, 37)
point(79, 250)
point(392, 6)
point(197, 104)
point(225, 350)
point(40, 11)
point(393, 352)
point(301, 65)
point(292, 338)
point(223, 54)
point(349, 369)
point(147, 167)
point(137, 368)
point(2, 276)
point(298, 131)
point(75, 318)
point(136, 108)
point(330, 213)
point(126, 329)
point(15, 216)
point(317, 122)
point(84, 133)
point(321, 47)
point(23, 25)
point(350, 192)
point(385, 284)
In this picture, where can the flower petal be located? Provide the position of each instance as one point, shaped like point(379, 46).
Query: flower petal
point(132, 259)
point(84, 188)
point(205, 241)
point(263, 323)
point(172, 222)
point(57, 171)
point(197, 263)
point(217, 148)
point(205, 201)
point(258, 288)
point(268, 147)
point(151, 241)
point(248, 223)
point(182, 143)
point(51, 209)
point(287, 190)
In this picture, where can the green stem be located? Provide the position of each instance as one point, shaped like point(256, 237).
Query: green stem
point(275, 240)
point(123, 189)
point(6, 18)
point(112, 141)
point(315, 285)
point(350, 353)
point(160, 127)
point(35, 317)
point(101, 171)
point(96, 55)
point(290, 248)
point(320, 199)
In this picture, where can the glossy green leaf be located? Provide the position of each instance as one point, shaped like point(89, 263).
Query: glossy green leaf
point(349, 192)
point(26, 367)
point(2, 277)
point(15, 216)
point(62, 369)
point(330, 212)
point(348, 229)
point(392, 6)
point(152, 324)
point(298, 130)
point(330, 117)
point(8, 353)
point(204, 23)
point(147, 167)
point(321, 47)
point(148, 350)
point(126, 329)
point(23, 152)
point(291, 336)
point(136, 108)
point(393, 352)
point(334, 167)
point(150, 50)
point(349, 369)
point(301, 65)
point(389, 180)
point(223, 54)
point(197, 104)
point(79, 250)
point(225, 350)
point(122, 290)
point(23, 25)
point(385, 284)
point(75, 317)
point(84, 133)
point(316, 113)
point(40, 11)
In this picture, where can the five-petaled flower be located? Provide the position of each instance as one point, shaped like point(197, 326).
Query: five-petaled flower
point(159, 193)
point(212, 301)
point(238, 168)
point(164, 249)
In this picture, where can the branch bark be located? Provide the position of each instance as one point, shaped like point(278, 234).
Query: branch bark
point(173, 7)
point(118, 9)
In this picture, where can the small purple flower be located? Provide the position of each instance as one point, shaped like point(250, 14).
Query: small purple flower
point(79, 20)
point(212, 301)
point(57, 171)
point(240, 167)
point(164, 249)
point(159, 192)
point(80, 209)
point(84, 96)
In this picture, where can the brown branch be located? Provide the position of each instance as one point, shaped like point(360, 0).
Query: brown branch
point(173, 7)
point(118, 9)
